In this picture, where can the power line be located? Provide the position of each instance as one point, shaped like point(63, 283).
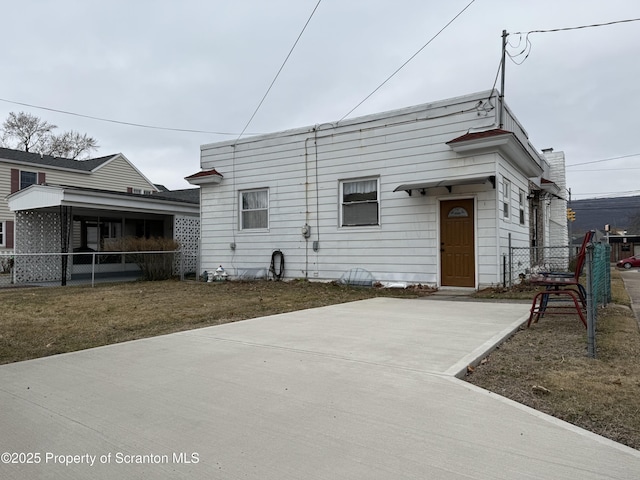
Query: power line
point(405, 63)
point(528, 46)
point(579, 27)
point(617, 194)
point(154, 127)
point(606, 169)
point(603, 160)
point(119, 122)
point(280, 70)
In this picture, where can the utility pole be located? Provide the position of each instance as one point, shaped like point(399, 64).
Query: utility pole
point(502, 65)
point(570, 222)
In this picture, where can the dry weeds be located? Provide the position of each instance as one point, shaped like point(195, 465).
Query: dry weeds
point(547, 368)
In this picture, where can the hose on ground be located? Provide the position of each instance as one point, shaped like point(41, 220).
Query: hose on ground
point(277, 260)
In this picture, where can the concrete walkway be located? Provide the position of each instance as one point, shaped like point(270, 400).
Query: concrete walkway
point(364, 390)
point(631, 280)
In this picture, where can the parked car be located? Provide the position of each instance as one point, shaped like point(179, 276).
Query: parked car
point(629, 262)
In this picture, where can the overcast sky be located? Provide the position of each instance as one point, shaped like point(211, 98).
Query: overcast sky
point(205, 65)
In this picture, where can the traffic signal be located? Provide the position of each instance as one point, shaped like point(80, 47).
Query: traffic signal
point(571, 215)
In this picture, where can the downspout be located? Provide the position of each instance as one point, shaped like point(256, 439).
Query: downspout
point(498, 210)
point(199, 270)
point(317, 243)
point(306, 206)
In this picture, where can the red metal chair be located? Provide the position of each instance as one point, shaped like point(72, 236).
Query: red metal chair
point(561, 284)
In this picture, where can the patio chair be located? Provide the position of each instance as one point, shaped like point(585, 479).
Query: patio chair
point(561, 284)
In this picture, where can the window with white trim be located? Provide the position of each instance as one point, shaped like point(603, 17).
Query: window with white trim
point(506, 198)
point(360, 202)
point(141, 191)
point(27, 179)
point(521, 201)
point(254, 209)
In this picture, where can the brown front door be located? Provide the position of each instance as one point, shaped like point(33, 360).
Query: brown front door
point(457, 246)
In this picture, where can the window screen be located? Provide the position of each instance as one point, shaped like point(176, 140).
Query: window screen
point(360, 204)
point(254, 208)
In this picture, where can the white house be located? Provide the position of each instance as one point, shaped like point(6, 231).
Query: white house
point(431, 194)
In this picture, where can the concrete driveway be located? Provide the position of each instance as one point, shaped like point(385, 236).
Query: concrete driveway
point(364, 390)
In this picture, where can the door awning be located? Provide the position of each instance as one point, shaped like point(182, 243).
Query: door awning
point(422, 187)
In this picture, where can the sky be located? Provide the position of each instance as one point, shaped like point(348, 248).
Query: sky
point(206, 65)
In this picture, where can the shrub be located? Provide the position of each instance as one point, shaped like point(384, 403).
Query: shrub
point(145, 254)
point(6, 264)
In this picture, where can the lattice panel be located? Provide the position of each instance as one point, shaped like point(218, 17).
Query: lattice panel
point(186, 231)
point(37, 233)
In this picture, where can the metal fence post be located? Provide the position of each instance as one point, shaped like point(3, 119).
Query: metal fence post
point(607, 255)
point(504, 270)
point(510, 263)
point(93, 268)
point(181, 265)
point(591, 320)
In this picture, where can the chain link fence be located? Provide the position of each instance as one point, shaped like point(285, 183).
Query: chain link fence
point(521, 262)
point(89, 268)
point(598, 287)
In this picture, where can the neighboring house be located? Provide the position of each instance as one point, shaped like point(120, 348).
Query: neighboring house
point(19, 170)
point(623, 246)
point(432, 194)
point(55, 205)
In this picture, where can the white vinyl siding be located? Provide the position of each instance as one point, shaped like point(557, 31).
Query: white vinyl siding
point(359, 202)
point(254, 209)
point(115, 175)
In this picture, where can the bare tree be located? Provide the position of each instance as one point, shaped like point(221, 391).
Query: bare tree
point(70, 144)
point(27, 132)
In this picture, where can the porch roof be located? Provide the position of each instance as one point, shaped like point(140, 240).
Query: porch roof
point(505, 142)
point(448, 183)
point(205, 177)
point(551, 187)
point(47, 196)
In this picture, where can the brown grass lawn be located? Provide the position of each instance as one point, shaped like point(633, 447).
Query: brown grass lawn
point(36, 322)
point(546, 367)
